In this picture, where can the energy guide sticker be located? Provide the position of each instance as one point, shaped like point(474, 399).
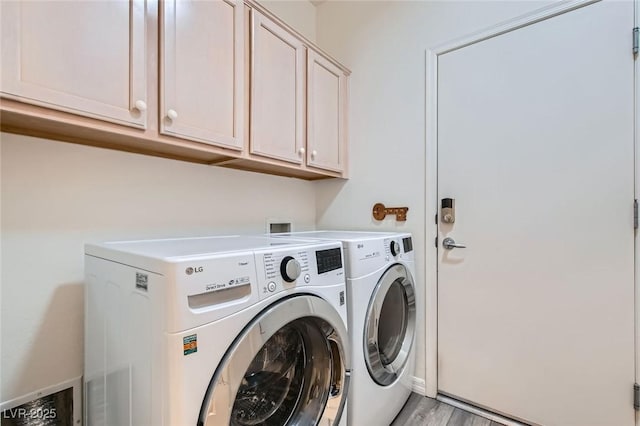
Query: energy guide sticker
point(190, 344)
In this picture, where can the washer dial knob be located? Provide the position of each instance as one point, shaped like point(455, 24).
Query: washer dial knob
point(395, 248)
point(290, 269)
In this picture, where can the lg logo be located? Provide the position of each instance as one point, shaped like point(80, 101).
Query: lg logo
point(191, 270)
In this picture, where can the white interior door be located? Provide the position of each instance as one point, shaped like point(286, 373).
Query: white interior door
point(535, 144)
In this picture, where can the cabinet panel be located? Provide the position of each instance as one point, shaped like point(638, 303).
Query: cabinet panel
point(326, 102)
point(202, 78)
point(277, 95)
point(84, 57)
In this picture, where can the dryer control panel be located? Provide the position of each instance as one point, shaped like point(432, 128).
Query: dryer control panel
point(369, 255)
point(396, 247)
point(281, 269)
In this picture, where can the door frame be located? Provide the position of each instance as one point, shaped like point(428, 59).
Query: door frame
point(636, 191)
point(430, 386)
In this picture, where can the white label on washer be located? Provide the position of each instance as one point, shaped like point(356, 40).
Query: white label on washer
point(371, 255)
point(234, 282)
point(142, 281)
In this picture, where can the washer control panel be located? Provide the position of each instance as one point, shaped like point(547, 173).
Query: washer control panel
point(290, 269)
point(281, 269)
point(329, 259)
point(394, 247)
point(275, 262)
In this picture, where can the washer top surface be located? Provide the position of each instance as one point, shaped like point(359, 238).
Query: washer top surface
point(199, 246)
point(345, 235)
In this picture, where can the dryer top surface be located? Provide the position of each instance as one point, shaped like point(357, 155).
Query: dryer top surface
point(199, 246)
point(347, 236)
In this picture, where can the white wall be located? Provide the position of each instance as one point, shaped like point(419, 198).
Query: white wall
point(384, 44)
point(57, 196)
point(300, 14)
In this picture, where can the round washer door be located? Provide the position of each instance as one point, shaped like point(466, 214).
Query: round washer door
point(288, 367)
point(390, 325)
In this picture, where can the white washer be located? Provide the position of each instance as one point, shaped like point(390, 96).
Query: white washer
point(381, 310)
point(215, 331)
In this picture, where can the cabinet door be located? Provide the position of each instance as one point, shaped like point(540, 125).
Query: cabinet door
point(326, 109)
point(277, 91)
point(85, 57)
point(202, 76)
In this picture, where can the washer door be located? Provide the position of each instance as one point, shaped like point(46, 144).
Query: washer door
point(288, 367)
point(390, 325)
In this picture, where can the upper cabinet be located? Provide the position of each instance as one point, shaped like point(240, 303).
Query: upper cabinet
point(277, 91)
point(202, 71)
point(86, 57)
point(326, 110)
point(220, 82)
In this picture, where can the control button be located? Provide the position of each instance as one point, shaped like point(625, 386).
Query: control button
point(307, 278)
point(290, 269)
point(271, 286)
point(395, 248)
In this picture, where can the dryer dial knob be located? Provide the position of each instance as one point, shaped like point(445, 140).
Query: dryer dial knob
point(395, 248)
point(290, 269)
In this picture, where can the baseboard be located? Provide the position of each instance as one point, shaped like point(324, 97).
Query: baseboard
point(419, 386)
point(495, 417)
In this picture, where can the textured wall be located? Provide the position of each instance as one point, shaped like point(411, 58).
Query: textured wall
point(57, 196)
point(384, 44)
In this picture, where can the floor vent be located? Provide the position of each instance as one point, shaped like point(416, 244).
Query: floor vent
point(55, 406)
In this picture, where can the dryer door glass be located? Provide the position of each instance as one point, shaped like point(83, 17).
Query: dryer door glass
point(390, 326)
point(282, 371)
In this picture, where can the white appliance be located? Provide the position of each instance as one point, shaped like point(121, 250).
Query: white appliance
point(215, 331)
point(381, 310)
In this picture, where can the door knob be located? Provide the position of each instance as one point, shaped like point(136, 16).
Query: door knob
point(450, 244)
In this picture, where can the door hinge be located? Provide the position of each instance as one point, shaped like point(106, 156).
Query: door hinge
point(636, 40)
point(436, 241)
point(635, 214)
point(636, 396)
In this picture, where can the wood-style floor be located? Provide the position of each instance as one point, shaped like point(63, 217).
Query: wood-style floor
point(423, 411)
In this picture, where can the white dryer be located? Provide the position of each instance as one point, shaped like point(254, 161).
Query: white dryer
point(215, 331)
point(381, 307)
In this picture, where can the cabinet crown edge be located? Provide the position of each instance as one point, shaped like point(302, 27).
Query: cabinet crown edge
point(253, 4)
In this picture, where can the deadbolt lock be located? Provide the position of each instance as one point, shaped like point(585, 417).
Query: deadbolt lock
point(448, 210)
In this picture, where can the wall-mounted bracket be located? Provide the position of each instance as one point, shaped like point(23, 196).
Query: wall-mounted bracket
point(380, 212)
